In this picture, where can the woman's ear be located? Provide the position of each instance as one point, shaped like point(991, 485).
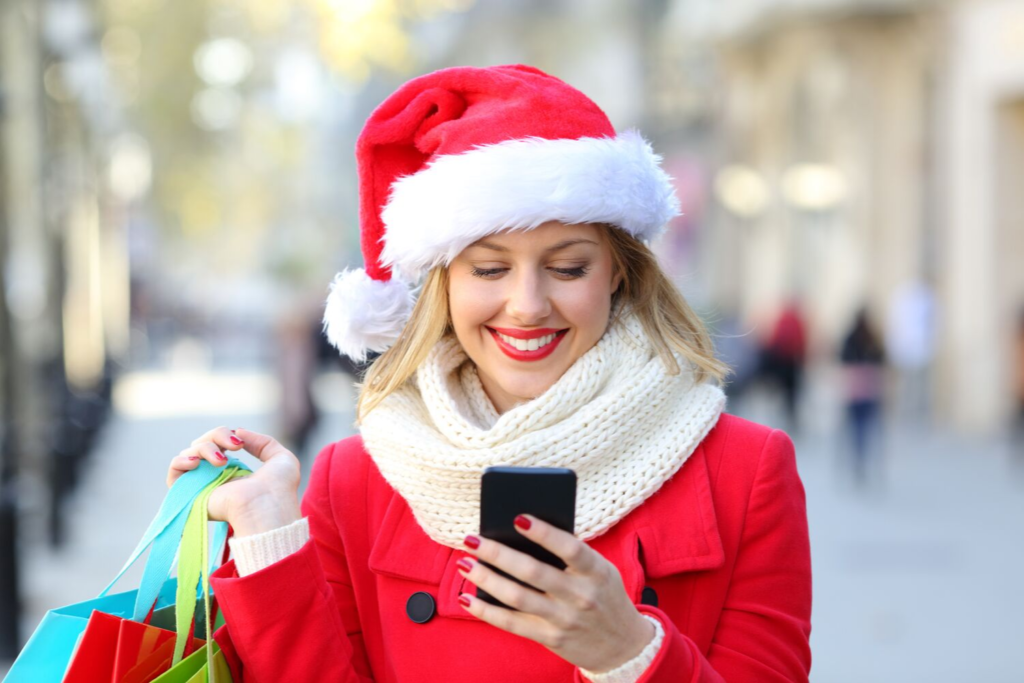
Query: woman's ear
point(616, 280)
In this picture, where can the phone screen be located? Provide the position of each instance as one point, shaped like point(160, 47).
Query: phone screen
point(547, 493)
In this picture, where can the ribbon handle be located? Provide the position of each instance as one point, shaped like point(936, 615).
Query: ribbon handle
point(194, 566)
point(165, 531)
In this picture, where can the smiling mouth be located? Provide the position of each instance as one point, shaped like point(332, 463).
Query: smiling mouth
point(529, 344)
point(528, 349)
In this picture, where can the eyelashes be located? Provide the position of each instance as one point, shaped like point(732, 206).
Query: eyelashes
point(571, 273)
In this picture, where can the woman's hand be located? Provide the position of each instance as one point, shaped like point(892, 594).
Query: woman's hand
point(266, 499)
point(584, 615)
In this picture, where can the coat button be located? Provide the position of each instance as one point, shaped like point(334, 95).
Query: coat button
point(649, 597)
point(420, 607)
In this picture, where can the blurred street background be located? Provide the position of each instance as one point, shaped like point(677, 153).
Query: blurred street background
point(178, 187)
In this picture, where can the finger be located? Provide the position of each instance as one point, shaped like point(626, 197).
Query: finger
point(540, 575)
point(519, 623)
point(577, 555)
point(182, 464)
point(263, 446)
point(223, 437)
point(211, 452)
point(508, 591)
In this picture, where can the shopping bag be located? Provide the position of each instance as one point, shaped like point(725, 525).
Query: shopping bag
point(111, 647)
point(195, 668)
point(122, 651)
point(46, 655)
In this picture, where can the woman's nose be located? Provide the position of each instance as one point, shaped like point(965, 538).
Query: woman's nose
point(528, 301)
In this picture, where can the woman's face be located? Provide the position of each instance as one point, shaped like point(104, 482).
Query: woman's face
point(556, 279)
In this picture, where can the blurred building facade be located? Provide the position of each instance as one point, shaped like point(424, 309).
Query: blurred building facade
point(63, 270)
point(865, 148)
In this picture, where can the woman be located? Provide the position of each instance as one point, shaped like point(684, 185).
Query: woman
point(544, 334)
point(863, 360)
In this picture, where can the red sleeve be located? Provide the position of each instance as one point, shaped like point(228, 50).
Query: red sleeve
point(296, 619)
point(763, 633)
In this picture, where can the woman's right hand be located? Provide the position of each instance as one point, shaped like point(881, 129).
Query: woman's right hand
point(264, 500)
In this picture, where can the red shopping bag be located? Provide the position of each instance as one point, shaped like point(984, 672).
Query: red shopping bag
point(122, 651)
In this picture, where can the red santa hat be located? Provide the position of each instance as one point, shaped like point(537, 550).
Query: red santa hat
point(464, 152)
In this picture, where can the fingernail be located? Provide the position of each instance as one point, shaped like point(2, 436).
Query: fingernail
point(472, 541)
point(221, 456)
point(522, 522)
point(463, 598)
point(235, 440)
point(465, 565)
point(193, 457)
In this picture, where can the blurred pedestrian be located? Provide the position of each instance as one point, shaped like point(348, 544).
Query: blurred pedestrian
point(783, 358)
point(297, 332)
point(863, 360)
point(1018, 417)
point(910, 347)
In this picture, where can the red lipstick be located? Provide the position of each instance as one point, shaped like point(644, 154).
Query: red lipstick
point(516, 354)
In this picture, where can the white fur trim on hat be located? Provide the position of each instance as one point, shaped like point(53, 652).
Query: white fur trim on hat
point(455, 200)
point(364, 314)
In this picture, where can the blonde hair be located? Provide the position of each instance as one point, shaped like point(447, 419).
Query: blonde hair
point(667, 318)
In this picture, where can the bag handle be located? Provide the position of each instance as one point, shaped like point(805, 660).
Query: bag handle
point(194, 567)
point(164, 533)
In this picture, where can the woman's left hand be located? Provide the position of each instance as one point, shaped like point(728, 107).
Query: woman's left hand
point(583, 615)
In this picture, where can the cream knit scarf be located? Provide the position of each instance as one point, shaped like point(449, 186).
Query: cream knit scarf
point(615, 416)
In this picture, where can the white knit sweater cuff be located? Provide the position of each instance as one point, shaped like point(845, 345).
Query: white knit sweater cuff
point(631, 671)
point(255, 552)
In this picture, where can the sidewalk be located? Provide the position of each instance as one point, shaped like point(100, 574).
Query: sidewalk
point(917, 580)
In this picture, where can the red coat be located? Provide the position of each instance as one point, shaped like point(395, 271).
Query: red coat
point(723, 544)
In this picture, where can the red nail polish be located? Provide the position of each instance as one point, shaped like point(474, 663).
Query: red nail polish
point(235, 440)
point(463, 599)
point(221, 456)
point(522, 522)
point(472, 541)
point(193, 457)
point(464, 564)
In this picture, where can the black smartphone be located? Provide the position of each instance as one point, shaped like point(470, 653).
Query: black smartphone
point(547, 493)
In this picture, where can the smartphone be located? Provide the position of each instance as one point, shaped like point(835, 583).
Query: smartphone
point(547, 493)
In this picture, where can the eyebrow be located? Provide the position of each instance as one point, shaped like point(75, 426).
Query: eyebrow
point(561, 245)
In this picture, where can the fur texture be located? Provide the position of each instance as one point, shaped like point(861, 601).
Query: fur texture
point(434, 214)
point(363, 314)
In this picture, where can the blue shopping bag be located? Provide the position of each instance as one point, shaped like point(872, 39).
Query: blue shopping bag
point(46, 655)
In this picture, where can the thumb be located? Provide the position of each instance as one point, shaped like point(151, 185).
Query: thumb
point(263, 446)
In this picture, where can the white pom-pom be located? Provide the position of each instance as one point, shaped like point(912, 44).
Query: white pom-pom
point(363, 314)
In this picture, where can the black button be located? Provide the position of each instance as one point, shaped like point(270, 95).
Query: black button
point(420, 607)
point(649, 597)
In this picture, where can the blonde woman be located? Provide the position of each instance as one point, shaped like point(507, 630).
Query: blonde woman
point(542, 334)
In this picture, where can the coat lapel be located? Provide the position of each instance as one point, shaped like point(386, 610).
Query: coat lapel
point(677, 527)
point(403, 550)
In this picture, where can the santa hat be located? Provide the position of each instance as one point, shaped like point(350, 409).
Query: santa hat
point(464, 152)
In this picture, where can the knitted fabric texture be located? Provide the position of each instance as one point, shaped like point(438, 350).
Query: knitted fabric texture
point(257, 551)
point(616, 417)
point(631, 671)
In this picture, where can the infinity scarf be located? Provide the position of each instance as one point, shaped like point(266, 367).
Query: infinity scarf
point(615, 416)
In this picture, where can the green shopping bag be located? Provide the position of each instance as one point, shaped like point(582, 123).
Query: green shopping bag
point(195, 667)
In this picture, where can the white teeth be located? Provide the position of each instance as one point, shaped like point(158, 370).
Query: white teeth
point(528, 344)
